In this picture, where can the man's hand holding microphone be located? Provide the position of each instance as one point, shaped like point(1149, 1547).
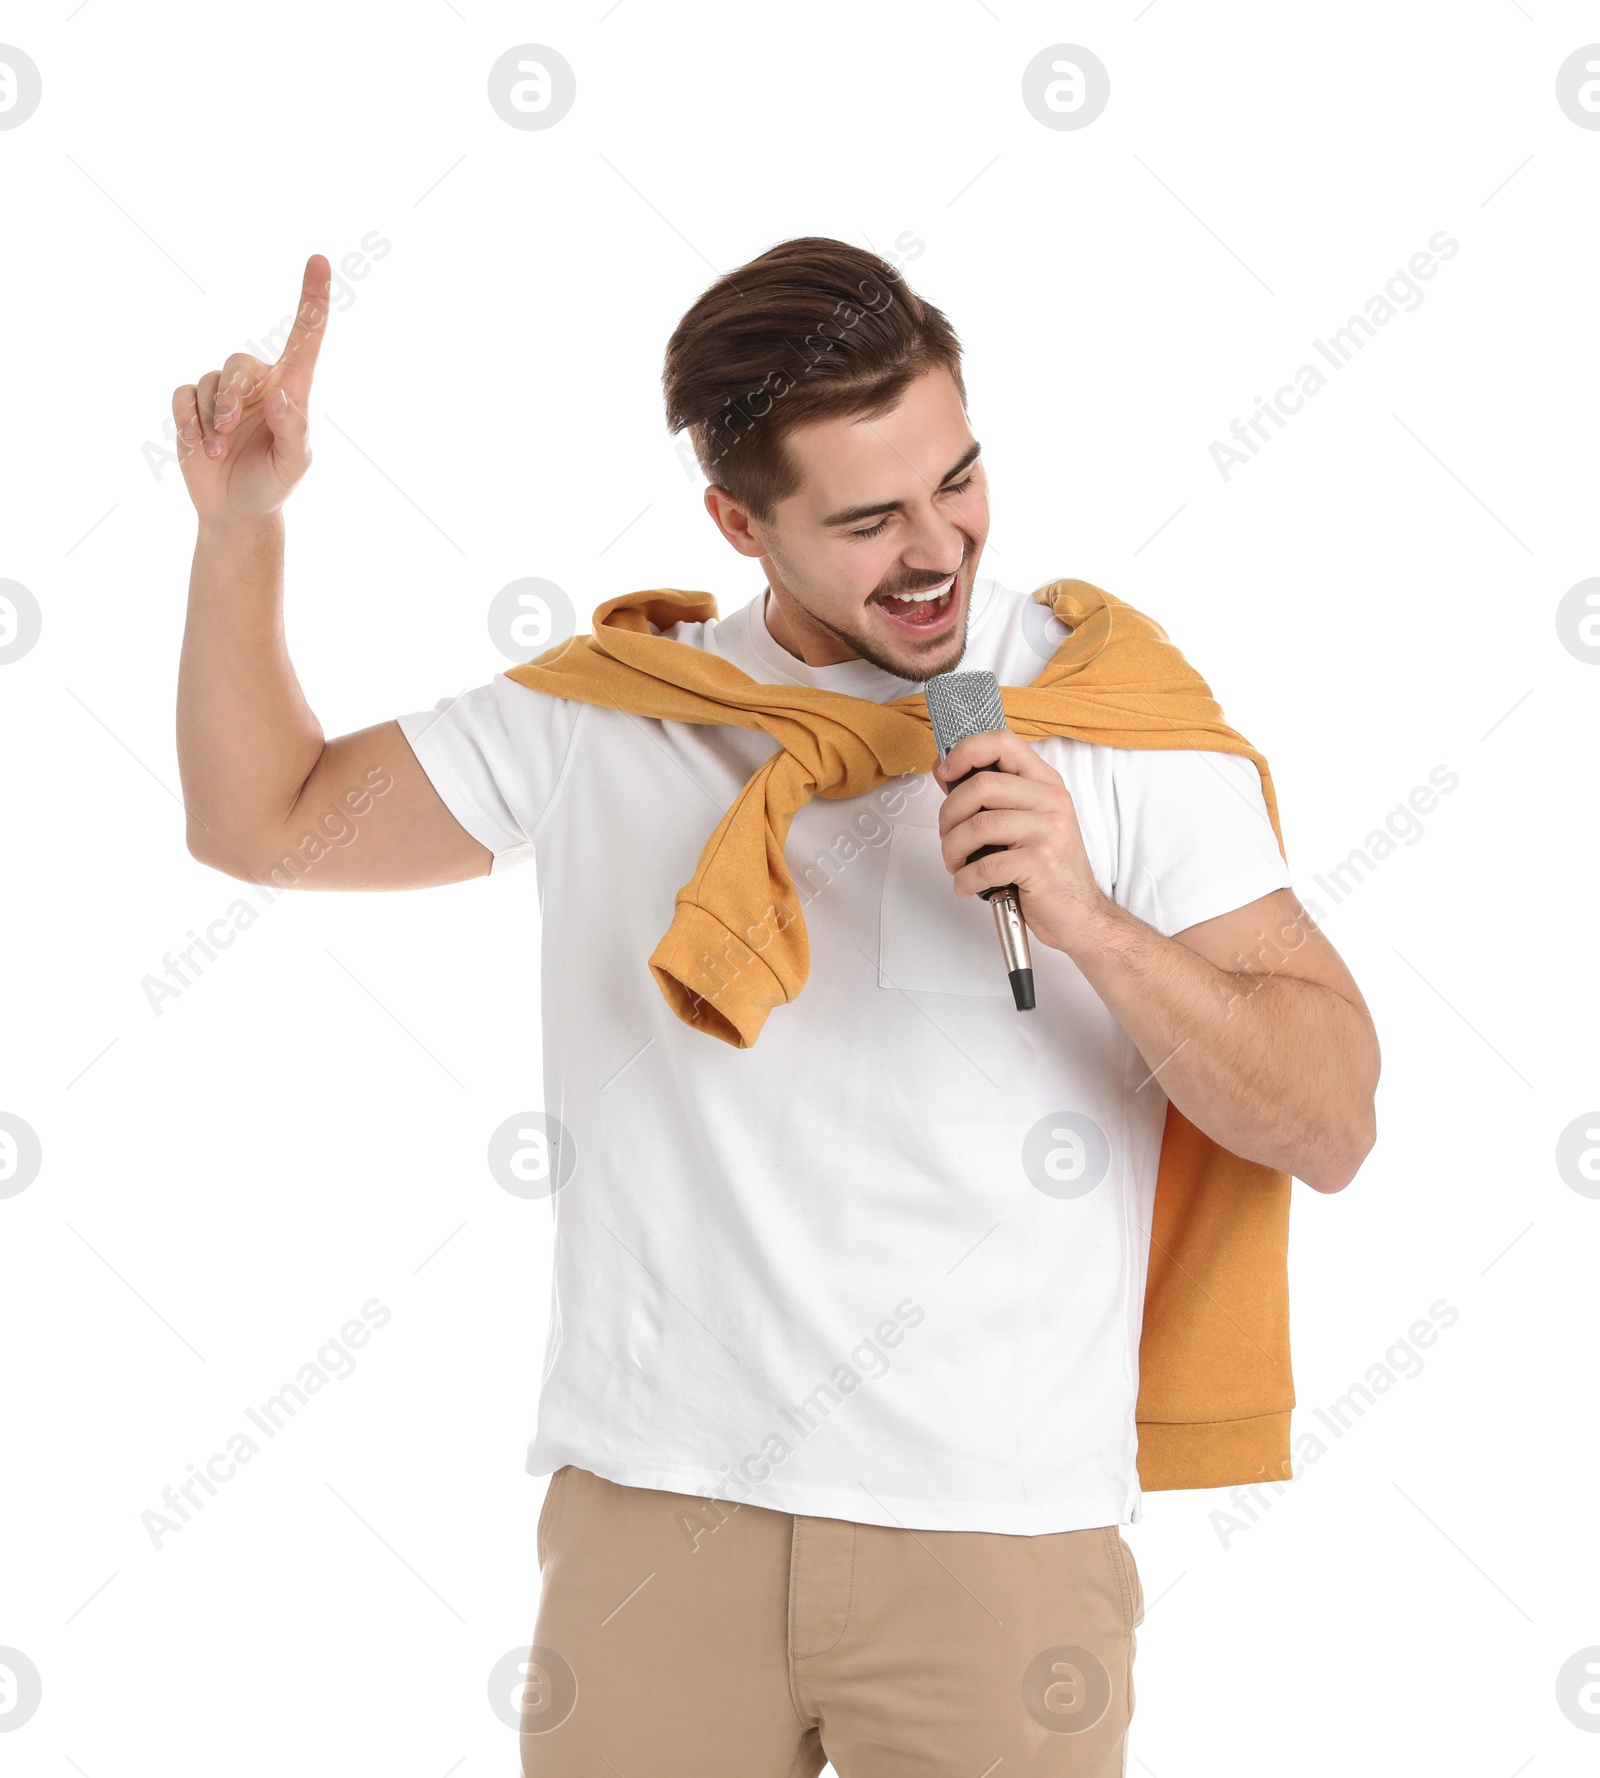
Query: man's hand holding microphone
point(1008, 819)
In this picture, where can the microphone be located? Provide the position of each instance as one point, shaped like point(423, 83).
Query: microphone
point(962, 704)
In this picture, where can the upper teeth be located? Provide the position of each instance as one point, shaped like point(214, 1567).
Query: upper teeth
point(937, 592)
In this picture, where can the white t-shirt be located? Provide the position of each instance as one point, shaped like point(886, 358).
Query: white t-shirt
point(889, 1263)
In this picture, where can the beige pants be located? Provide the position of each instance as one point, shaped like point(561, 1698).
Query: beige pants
point(680, 1637)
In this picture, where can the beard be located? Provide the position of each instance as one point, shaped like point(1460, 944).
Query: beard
point(913, 664)
point(915, 667)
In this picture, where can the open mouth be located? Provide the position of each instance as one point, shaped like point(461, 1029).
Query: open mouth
point(922, 613)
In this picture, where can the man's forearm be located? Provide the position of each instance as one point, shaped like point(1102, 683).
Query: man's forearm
point(1274, 1068)
point(247, 739)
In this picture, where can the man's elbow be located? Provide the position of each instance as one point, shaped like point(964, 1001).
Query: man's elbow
point(1353, 1126)
point(1339, 1159)
point(224, 852)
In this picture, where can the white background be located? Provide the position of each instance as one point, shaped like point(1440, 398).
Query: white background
point(304, 1128)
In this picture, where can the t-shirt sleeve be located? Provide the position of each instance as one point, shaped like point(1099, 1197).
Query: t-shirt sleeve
point(496, 754)
point(1194, 839)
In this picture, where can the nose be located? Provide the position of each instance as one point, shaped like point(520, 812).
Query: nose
point(932, 577)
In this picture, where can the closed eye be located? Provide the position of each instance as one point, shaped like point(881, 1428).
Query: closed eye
point(954, 488)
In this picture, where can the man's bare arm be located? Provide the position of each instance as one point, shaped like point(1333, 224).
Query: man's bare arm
point(1250, 1021)
point(268, 797)
point(1253, 1026)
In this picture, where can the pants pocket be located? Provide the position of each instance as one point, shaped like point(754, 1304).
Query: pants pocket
point(1128, 1583)
point(539, 1536)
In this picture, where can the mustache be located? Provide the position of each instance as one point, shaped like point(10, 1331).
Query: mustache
point(921, 586)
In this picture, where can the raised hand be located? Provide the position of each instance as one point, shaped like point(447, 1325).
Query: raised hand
point(243, 431)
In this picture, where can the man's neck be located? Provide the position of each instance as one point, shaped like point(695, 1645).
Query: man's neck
point(815, 647)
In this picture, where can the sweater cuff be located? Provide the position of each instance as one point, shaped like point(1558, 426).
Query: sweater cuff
point(712, 979)
point(1214, 1453)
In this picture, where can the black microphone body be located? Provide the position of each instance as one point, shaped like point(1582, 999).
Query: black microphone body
point(962, 704)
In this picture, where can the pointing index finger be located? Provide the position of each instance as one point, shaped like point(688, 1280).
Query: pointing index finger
point(299, 356)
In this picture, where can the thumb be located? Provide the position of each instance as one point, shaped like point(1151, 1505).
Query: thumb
point(289, 425)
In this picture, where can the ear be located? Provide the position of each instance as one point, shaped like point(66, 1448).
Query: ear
point(733, 521)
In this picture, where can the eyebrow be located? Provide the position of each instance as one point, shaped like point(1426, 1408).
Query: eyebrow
point(851, 514)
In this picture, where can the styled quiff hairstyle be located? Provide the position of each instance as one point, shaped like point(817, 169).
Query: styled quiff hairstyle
point(812, 329)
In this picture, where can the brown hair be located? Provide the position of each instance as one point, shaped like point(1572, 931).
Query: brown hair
point(812, 329)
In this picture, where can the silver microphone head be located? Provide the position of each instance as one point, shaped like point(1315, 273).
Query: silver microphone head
point(962, 704)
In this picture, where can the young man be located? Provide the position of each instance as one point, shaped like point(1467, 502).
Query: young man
point(840, 1393)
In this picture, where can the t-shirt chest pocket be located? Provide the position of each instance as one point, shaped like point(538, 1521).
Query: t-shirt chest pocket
point(932, 941)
